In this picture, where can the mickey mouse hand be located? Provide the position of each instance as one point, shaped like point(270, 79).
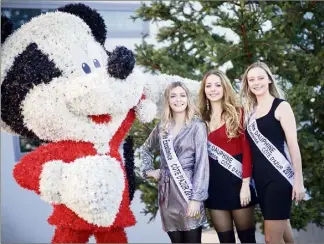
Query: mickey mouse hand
point(146, 111)
point(91, 186)
point(245, 193)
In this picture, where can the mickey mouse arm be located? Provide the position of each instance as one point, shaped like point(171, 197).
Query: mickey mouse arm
point(38, 171)
point(155, 86)
point(145, 110)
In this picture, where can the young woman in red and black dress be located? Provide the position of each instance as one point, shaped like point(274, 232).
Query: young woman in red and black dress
point(231, 194)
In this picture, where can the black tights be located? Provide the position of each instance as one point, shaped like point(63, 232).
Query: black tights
point(190, 236)
point(244, 222)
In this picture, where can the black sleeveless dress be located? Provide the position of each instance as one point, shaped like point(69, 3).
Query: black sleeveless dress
point(274, 191)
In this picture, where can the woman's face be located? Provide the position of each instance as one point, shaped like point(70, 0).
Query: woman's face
point(213, 88)
point(178, 100)
point(258, 81)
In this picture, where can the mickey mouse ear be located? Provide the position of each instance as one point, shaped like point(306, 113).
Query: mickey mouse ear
point(91, 17)
point(6, 28)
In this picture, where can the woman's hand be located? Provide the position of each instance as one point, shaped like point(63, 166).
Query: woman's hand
point(153, 174)
point(245, 194)
point(193, 210)
point(298, 192)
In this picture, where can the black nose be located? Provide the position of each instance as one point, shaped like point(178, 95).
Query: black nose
point(121, 62)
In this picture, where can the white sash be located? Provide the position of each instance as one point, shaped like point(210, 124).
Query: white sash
point(227, 161)
point(179, 176)
point(271, 153)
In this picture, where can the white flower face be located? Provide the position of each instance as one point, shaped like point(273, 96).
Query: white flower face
point(62, 108)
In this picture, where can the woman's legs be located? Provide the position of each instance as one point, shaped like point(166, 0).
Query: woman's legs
point(223, 224)
point(274, 231)
point(190, 236)
point(288, 235)
point(176, 236)
point(245, 224)
point(193, 236)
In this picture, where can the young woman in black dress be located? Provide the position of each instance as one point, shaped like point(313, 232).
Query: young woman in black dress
point(231, 197)
point(277, 167)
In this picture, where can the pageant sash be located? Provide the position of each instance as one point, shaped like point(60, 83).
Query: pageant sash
point(224, 159)
point(271, 153)
point(179, 176)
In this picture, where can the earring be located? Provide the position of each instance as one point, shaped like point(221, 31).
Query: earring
point(207, 104)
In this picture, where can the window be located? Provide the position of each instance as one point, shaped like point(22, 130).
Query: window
point(24, 145)
point(116, 15)
point(21, 16)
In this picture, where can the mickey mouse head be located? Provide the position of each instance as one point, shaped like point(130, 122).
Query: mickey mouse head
point(55, 71)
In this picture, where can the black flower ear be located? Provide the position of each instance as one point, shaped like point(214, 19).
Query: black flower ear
point(91, 17)
point(121, 62)
point(30, 68)
point(6, 28)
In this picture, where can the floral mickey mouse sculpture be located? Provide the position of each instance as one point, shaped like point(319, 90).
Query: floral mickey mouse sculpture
point(60, 85)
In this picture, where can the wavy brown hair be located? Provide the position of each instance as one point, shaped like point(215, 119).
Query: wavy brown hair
point(231, 108)
point(167, 116)
point(248, 99)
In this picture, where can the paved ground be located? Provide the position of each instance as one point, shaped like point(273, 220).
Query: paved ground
point(210, 236)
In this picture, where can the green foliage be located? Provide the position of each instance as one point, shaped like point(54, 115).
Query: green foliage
point(292, 48)
point(302, 26)
point(148, 187)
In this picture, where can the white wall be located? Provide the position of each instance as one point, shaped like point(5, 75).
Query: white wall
point(313, 234)
point(111, 43)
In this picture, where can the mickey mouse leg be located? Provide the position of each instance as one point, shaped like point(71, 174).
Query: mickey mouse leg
point(117, 235)
point(67, 235)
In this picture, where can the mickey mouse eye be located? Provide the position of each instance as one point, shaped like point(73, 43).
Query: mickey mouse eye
point(86, 68)
point(96, 63)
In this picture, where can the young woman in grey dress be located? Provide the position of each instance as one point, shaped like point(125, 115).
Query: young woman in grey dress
point(182, 215)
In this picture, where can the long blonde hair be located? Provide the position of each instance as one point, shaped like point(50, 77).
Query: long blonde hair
point(248, 99)
point(231, 108)
point(167, 116)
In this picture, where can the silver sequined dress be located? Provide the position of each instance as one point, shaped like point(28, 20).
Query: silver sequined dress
point(190, 146)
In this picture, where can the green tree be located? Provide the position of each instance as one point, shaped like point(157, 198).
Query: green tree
point(148, 187)
point(301, 26)
point(288, 36)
